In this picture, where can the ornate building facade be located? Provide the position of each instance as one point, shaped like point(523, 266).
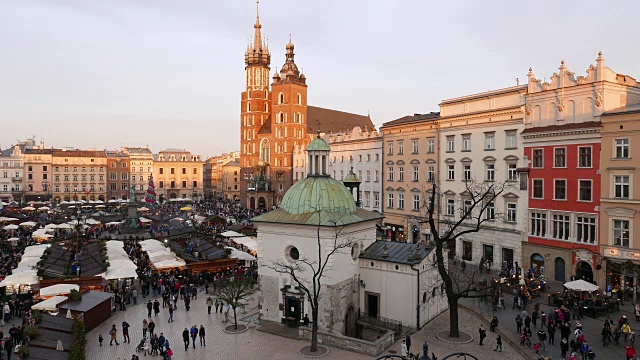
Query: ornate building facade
point(177, 174)
point(274, 119)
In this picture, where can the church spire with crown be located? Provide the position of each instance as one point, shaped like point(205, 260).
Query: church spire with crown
point(257, 52)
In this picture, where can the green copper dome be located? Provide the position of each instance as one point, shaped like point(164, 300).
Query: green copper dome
point(351, 178)
point(318, 145)
point(318, 193)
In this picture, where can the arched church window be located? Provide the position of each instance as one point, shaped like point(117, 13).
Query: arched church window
point(299, 99)
point(266, 107)
point(265, 151)
point(280, 118)
point(248, 107)
point(281, 98)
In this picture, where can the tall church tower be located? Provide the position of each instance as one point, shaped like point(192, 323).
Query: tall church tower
point(256, 98)
point(289, 121)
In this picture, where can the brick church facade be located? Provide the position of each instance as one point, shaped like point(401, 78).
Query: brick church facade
point(275, 118)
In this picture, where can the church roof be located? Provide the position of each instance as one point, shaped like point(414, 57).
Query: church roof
point(266, 127)
point(396, 252)
point(333, 121)
point(318, 144)
point(323, 218)
point(318, 193)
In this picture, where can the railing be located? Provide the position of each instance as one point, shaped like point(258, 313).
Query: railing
point(381, 322)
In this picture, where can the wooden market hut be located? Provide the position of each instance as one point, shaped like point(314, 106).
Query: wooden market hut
point(95, 307)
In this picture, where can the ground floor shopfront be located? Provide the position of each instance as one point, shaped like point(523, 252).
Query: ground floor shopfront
point(412, 229)
point(622, 269)
point(561, 264)
point(496, 245)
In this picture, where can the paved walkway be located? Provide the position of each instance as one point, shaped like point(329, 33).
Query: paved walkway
point(591, 327)
point(252, 344)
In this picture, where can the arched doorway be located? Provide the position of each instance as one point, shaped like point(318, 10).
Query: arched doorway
point(560, 269)
point(584, 271)
point(252, 203)
point(173, 195)
point(537, 262)
point(350, 322)
point(262, 203)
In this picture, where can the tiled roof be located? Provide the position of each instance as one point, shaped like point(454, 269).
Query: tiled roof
point(332, 121)
point(432, 116)
point(38, 151)
point(397, 252)
point(266, 127)
point(624, 109)
point(79, 153)
point(563, 127)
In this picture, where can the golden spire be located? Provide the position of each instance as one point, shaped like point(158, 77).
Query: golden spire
point(257, 37)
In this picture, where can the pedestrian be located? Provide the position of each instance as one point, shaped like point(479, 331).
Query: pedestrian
point(542, 337)
point(175, 301)
point(482, 332)
point(210, 304)
point(551, 332)
point(518, 323)
point(408, 342)
point(637, 311)
point(631, 352)
point(185, 338)
point(100, 339)
point(498, 343)
point(171, 314)
point(187, 302)
point(145, 326)
point(134, 294)
point(8, 347)
point(218, 304)
point(534, 318)
point(605, 333)
point(156, 307)
point(147, 346)
point(626, 329)
point(194, 335)
point(201, 334)
point(403, 349)
point(617, 334)
point(125, 332)
point(584, 349)
point(149, 308)
point(564, 347)
point(543, 319)
point(493, 324)
point(152, 326)
point(113, 332)
point(527, 321)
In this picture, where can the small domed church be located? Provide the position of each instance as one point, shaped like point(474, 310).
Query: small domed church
point(363, 278)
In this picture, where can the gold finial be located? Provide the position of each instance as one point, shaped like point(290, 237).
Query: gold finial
point(562, 62)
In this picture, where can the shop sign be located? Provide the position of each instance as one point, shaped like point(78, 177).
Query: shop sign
point(621, 254)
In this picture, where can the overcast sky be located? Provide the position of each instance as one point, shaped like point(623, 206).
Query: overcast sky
point(168, 73)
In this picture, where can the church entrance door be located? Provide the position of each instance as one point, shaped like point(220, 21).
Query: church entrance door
point(262, 203)
point(350, 323)
point(293, 309)
point(372, 305)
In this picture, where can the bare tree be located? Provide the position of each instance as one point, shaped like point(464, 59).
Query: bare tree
point(478, 209)
point(234, 292)
point(316, 268)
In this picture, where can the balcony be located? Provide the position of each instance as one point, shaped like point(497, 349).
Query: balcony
point(17, 179)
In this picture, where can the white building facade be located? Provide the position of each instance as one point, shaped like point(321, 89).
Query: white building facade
point(12, 180)
point(480, 147)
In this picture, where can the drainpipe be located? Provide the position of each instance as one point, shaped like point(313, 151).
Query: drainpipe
point(417, 298)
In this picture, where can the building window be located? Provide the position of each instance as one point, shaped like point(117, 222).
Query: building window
point(431, 173)
point(376, 199)
point(622, 148)
point(561, 225)
point(560, 190)
point(416, 173)
point(281, 98)
point(490, 211)
point(538, 224)
point(400, 173)
point(161, 184)
point(491, 172)
point(490, 141)
point(466, 142)
point(400, 201)
point(621, 233)
point(467, 250)
point(400, 147)
point(368, 175)
point(621, 186)
point(584, 156)
point(415, 146)
point(450, 144)
point(390, 174)
point(466, 207)
point(389, 148)
point(431, 145)
point(585, 190)
point(538, 189)
point(451, 206)
point(161, 171)
point(172, 171)
point(376, 177)
point(184, 171)
point(377, 157)
point(560, 157)
point(512, 212)
point(390, 200)
point(512, 139)
point(512, 172)
point(451, 172)
point(467, 172)
point(538, 161)
point(416, 202)
point(586, 229)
